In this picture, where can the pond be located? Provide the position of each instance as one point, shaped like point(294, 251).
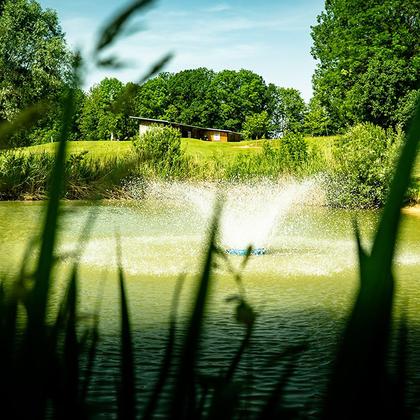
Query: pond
point(301, 288)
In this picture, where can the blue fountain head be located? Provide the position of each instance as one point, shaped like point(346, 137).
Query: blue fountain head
point(243, 252)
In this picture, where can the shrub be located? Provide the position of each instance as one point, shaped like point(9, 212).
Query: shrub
point(161, 147)
point(26, 175)
point(289, 156)
point(364, 163)
point(293, 151)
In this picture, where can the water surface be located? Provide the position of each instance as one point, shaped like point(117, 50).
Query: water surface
point(302, 289)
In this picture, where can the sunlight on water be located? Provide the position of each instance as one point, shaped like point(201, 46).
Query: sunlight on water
point(164, 232)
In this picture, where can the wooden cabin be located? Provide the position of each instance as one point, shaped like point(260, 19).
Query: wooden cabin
point(191, 131)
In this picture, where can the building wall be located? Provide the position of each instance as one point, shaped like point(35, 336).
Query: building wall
point(194, 132)
point(217, 136)
point(144, 127)
point(234, 137)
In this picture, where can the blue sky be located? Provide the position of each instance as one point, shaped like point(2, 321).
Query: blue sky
point(269, 37)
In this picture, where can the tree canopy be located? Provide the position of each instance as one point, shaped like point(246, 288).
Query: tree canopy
point(99, 120)
point(34, 59)
point(369, 62)
point(288, 110)
point(233, 100)
point(204, 98)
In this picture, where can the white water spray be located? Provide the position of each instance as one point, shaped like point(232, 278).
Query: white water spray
point(250, 211)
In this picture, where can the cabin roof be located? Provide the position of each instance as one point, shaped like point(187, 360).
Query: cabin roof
point(184, 125)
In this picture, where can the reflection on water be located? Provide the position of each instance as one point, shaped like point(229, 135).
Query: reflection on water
point(301, 289)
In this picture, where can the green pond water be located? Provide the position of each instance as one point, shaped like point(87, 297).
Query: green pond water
point(302, 289)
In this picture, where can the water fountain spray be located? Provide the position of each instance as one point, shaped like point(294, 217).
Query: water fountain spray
point(251, 211)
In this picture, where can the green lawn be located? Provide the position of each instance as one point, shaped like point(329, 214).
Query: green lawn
point(95, 149)
point(195, 148)
point(206, 150)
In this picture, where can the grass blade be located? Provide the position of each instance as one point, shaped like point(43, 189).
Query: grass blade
point(91, 353)
point(400, 383)
point(35, 360)
point(360, 384)
point(91, 356)
point(71, 345)
point(274, 406)
point(183, 398)
point(40, 291)
point(116, 26)
point(246, 315)
point(8, 327)
point(127, 392)
point(167, 359)
point(156, 68)
point(67, 397)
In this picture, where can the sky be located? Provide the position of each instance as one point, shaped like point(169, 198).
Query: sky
point(270, 37)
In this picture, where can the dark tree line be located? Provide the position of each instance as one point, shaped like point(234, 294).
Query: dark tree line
point(234, 100)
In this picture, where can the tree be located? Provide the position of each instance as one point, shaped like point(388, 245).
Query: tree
point(204, 98)
point(317, 120)
point(190, 97)
point(288, 110)
point(152, 98)
point(365, 159)
point(34, 59)
point(238, 94)
point(256, 126)
point(369, 59)
point(100, 120)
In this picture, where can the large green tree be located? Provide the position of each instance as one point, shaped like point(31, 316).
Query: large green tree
point(287, 109)
point(204, 98)
point(191, 97)
point(369, 62)
point(34, 59)
point(151, 100)
point(100, 118)
point(238, 94)
point(317, 121)
point(256, 126)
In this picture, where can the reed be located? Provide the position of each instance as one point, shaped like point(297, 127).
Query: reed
point(26, 176)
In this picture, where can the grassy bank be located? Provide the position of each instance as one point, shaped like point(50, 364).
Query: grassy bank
point(93, 164)
point(197, 149)
point(25, 174)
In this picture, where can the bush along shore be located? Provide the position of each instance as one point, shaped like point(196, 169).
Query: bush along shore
point(354, 169)
point(25, 176)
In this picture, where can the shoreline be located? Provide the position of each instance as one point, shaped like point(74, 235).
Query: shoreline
point(409, 209)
